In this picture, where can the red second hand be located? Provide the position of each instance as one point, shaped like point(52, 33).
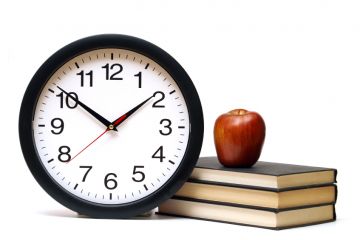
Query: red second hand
point(111, 127)
point(108, 129)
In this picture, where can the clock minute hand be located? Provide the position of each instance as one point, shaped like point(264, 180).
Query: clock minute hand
point(122, 118)
point(89, 110)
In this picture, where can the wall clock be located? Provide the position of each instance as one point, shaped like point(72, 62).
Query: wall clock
point(110, 126)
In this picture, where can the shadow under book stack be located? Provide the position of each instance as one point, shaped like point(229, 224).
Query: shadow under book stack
point(268, 195)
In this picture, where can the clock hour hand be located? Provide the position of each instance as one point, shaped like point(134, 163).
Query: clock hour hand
point(122, 118)
point(89, 110)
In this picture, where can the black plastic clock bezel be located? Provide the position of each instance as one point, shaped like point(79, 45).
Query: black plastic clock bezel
point(67, 53)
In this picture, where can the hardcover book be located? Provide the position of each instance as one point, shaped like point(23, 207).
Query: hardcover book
point(263, 175)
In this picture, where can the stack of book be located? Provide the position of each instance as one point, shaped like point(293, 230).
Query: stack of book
point(268, 195)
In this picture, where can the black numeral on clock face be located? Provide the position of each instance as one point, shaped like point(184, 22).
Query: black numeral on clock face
point(64, 155)
point(58, 125)
point(86, 75)
point(159, 154)
point(113, 71)
point(65, 99)
point(167, 127)
point(156, 103)
point(139, 76)
point(139, 176)
point(86, 173)
point(110, 181)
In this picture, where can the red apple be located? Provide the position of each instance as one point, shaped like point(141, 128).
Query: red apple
point(239, 136)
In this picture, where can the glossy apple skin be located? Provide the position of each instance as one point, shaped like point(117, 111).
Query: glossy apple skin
point(239, 137)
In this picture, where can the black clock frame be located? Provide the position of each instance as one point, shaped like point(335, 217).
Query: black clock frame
point(67, 53)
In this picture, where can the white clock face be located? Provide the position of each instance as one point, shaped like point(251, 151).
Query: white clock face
point(88, 158)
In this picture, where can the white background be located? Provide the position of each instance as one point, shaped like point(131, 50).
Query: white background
point(295, 62)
